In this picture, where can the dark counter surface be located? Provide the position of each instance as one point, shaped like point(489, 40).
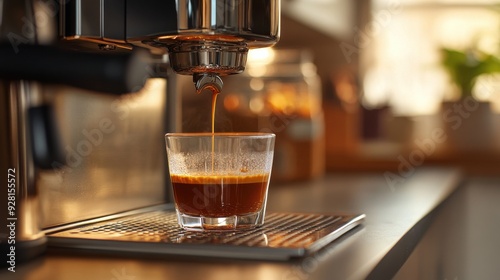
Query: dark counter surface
point(398, 208)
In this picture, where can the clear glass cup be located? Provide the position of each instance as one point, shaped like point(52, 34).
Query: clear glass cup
point(220, 181)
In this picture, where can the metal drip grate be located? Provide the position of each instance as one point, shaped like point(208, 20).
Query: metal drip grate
point(298, 233)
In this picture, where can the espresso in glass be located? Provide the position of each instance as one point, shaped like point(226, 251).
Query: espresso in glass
point(219, 196)
point(220, 180)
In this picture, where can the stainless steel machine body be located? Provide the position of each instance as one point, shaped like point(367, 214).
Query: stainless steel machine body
point(201, 36)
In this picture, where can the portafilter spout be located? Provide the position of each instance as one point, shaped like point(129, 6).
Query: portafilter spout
point(209, 81)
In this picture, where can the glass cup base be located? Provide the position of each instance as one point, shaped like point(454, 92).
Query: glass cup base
point(236, 222)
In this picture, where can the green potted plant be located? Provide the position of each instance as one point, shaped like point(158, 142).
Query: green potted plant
point(464, 67)
point(468, 121)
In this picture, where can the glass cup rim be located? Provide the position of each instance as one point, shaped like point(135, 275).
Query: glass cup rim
point(221, 134)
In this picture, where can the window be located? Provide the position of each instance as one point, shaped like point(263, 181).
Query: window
point(401, 59)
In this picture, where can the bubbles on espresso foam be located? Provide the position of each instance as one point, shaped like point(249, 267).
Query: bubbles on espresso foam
point(225, 163)
point(244, 168)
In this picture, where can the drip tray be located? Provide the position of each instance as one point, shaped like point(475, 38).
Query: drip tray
point(283, 236)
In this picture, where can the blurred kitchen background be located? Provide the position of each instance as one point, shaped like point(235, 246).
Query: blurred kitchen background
point(380, 85)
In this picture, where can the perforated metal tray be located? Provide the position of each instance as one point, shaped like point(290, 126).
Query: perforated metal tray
point(284, 235)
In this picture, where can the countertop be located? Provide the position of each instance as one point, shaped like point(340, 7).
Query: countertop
point(399, 208)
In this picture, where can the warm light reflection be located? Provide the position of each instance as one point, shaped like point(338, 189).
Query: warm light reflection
point(346, 89)
point(257, 71)
point(256, 84)
point(256, 104)
point(148, 95)
point(232, 102)
point(260, 56)
point(283, 99)
point(257, 61)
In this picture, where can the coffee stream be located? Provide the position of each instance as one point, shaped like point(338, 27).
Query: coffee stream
point(215, 92)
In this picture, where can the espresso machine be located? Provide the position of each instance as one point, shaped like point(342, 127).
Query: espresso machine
point(87, 93)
